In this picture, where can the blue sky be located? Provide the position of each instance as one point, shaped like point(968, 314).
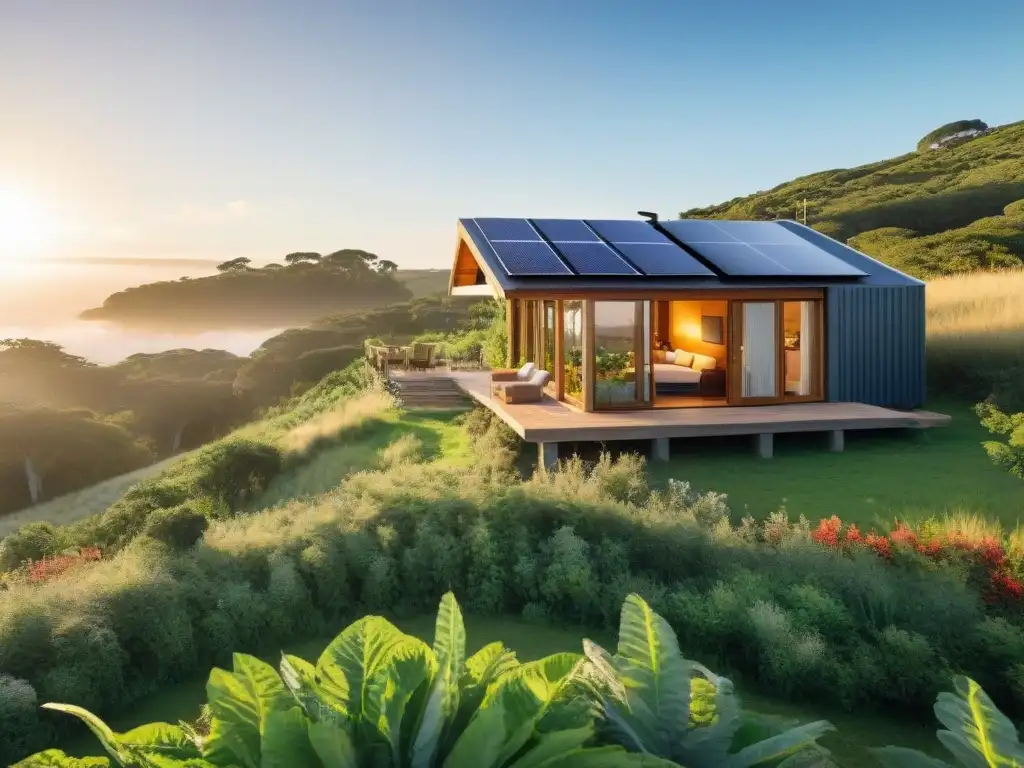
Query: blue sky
point(217, 129)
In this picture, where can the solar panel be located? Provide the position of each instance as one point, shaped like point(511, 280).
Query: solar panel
point(566, 230)
point(627, 231)
point(738, 259)
point(507, 229)
point(806, 259)
point(525, 258)
point(663, 259)
point(594, 259)
point(759, 232)
point(698, 231)
point(758, 249)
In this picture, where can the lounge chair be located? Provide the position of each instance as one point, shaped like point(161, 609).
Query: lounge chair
point(530, 391)
point(511, 374)
point(420, 356)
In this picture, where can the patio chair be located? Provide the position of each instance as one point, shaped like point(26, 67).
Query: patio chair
point(511, 374)
point(531, 391)
point(421, 356)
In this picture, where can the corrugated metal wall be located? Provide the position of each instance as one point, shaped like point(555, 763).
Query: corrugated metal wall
point(876, 339)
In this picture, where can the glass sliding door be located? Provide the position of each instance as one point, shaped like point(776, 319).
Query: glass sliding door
point(776, 352)
point(801, 329)
point(548, 350)
point(621, 354)
point(572, 351)
point(755, 326)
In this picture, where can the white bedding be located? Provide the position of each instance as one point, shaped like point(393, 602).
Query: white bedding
point(670, 373)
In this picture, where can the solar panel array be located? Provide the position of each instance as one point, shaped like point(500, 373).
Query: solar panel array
point(591, 248)
point(614, 248)
point(757, 249)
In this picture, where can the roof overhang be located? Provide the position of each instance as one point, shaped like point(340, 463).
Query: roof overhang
point(467, 268)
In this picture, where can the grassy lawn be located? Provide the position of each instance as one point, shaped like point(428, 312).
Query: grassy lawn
point(435, 435)
point(855, 732)
point(882, 475)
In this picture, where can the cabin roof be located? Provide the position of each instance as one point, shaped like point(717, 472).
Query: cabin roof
point(514, 255)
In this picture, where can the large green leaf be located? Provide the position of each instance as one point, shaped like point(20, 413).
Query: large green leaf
point(480, 744)
point(441, 703)
point(527, 692)
point(708, 746)
point(655, 675)
point(240, 702)
point(777, 747)
point(332, 745)
point(286, 742)
point(484, 669)
point(978, 734)
point(601, 680)
point(554, 745)
point(901, 757)
point(161, 739)
point(100, 729)
point(351, 658)
point(55, 758)
point(392, 684)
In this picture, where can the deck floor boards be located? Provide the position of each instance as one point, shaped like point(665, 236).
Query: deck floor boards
point(552, 421)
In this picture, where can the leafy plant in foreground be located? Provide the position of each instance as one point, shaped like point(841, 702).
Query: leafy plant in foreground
point(644, 697)
point(382, 699)
point(977, 734)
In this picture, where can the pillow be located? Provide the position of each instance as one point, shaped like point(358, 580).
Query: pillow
point(659, 356)
point(670, 356)
point(703, 363)
point(526, 372)
point(684, 359)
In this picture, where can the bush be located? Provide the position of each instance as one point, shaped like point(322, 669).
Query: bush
point(33, 541)
point(179, 527)
point(234, 471)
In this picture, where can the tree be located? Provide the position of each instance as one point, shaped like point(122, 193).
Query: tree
point(350, 259)
point(74, 448)
point(386, 267)
point(166, 408)
point(300, 257)
point(241, 264)
point(1009, 455)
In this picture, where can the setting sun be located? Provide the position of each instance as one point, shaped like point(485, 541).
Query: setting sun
point(25, 226)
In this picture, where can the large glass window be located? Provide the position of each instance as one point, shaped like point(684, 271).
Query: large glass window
point(619, 343)
point(572, 346)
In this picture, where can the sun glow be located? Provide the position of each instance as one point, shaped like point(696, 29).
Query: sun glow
point(25, 226)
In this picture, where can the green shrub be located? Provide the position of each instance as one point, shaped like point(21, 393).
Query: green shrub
point(179, 527)
point(236, 470)
point(32, 541)
point(19, 720)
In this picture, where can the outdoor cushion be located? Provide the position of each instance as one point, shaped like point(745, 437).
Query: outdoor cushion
point(703, 363)
point(526, 372)
point(670, 356)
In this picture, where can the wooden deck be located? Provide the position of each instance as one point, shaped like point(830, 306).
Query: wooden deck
point(552, 422)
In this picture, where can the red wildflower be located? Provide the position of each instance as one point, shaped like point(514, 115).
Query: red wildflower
point(932, 549)
point(853, 534)
point(958, 540)
point(903, 536)
point(992, 553)
point(1006, 585)
point(50, 567)
point(827, 532)
point(879, 543)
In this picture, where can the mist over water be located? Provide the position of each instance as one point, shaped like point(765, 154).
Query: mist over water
point(43, 300)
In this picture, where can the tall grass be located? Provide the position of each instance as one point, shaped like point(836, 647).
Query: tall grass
point(975, 327)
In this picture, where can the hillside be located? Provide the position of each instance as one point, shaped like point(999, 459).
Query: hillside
point(423, 282)
point(306, 287)
point(948, 211)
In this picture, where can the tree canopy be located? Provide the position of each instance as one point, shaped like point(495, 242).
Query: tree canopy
point(950, 129)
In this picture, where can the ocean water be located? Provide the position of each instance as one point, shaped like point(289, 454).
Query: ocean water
point(43, 300)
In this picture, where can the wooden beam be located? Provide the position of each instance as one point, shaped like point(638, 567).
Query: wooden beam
point(673, 294)
point(588, 355)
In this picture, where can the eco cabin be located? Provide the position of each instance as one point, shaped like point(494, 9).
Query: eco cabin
point(634, 314)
